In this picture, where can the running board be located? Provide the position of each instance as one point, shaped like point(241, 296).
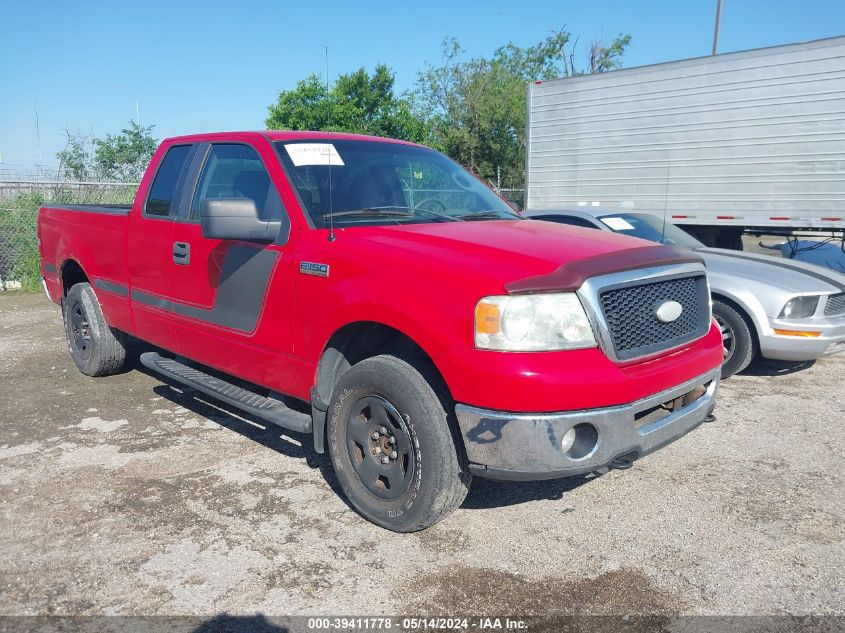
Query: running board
point(268, 409)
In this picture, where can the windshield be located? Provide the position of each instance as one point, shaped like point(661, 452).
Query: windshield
point(370, 182)
point(649, 227)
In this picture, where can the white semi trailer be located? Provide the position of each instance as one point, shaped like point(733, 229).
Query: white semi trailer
point(752, 141)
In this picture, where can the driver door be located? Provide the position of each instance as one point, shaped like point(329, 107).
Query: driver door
point(232, 300)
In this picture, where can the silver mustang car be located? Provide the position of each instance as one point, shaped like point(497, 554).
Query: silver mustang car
point(778, 308)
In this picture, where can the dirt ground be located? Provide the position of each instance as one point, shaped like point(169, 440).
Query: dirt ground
point(124, 495)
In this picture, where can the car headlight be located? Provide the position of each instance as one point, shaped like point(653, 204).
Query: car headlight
point(800, 307)
point(527, 323)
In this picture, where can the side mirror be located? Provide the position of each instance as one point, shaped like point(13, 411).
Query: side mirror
point(235, 219)
point(514, 206)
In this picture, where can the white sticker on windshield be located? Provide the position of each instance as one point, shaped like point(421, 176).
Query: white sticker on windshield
point(618, 224)
point(313, 154)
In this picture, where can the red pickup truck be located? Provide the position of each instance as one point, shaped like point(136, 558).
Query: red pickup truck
point(373, 293)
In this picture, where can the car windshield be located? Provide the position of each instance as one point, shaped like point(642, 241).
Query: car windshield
point(649, 227)
point(355, 182)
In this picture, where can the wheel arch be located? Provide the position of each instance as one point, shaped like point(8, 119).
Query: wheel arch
point(360, 340)
point(355, 342)
point(71, 274)
point(743, 312)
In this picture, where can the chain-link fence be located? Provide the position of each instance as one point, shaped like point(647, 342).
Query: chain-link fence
point(514, 195)
point(20, 199)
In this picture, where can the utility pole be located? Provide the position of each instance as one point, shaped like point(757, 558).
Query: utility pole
point(716, 30)
point(138, 113)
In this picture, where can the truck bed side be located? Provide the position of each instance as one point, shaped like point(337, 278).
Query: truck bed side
point(92, 238)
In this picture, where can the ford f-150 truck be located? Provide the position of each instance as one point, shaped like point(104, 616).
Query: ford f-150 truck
point(374, 294)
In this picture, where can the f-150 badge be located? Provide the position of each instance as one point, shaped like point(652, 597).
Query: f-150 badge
point(312, 268)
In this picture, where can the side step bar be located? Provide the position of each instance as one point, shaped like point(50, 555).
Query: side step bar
point(268, 409)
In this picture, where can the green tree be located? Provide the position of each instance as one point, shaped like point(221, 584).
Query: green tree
point(76, 160)
point(358, 102)
point(476, 108)
point(608, 56)
point(306, 107)
point(124, 157)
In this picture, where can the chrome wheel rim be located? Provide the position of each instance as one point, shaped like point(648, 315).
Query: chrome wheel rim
point(728, 339)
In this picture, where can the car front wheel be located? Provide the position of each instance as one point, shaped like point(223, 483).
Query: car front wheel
point(391, 444)
point(738, 344)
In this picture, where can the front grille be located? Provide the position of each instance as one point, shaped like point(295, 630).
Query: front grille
point(631, 315)
point(835, 305)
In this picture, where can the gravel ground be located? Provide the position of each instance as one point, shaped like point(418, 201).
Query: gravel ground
point(124, 495)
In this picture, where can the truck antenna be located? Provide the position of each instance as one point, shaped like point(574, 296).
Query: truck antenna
point(332, 236)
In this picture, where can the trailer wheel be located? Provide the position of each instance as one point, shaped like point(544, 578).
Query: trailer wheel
point(97, 349)
point(738, 344)
point(391, 444)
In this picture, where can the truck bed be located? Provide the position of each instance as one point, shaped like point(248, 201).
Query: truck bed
point(103, 228)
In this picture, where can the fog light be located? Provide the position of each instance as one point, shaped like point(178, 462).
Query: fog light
point(580, 441)
point(568, 440)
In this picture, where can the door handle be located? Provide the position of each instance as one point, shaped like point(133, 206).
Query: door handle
point(181, 253)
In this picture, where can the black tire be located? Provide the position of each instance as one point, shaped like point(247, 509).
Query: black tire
point(426, 477)
point(738, 341)
point(97, 349)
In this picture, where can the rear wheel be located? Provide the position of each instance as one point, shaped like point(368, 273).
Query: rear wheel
point(391, 444)
point(97, 349)
point(738, 345)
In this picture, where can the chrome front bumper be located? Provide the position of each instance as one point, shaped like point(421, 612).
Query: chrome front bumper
point(527, 446)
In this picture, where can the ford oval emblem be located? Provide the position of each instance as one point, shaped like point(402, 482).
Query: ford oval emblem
point(669, 311)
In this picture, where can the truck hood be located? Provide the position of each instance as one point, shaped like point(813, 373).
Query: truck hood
point(788, 275)
point(525, 256)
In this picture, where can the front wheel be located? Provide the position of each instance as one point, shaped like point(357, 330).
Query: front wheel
point(391, 445)
point(738, 345)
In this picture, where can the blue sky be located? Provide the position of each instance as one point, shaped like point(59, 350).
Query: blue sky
point(216, 65)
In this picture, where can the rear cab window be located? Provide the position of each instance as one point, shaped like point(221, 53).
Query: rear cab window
point(163, 197)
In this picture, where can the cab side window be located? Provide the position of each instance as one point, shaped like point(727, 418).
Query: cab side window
point(233, 170)
point(162, 198)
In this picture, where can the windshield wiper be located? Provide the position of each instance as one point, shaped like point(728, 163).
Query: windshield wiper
point(391, 210)
point(415, 210)
point(482, 215)
point(436, 214)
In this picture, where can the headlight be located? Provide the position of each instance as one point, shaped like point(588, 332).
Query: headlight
point(800, 307)
point(527, 323)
